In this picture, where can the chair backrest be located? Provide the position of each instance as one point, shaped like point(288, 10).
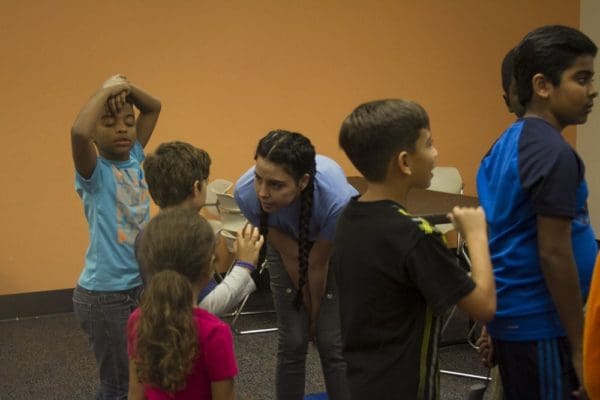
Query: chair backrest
point(229, 240)
point(212, 189)
point(227, 201)
point(231, 216)
point(447, 180)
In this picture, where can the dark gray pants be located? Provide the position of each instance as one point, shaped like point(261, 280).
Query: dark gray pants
point(103, 317)
point(294, 336)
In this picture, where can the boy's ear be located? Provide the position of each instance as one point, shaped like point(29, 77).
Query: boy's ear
point(541, 86)
point(199, 191)
point(403, 162)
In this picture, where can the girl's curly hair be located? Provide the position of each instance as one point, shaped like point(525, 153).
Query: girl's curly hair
point(176, 249)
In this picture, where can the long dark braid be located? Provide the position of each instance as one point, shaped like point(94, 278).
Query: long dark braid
point(296, 155)
point(263, 228)
point(304, 245)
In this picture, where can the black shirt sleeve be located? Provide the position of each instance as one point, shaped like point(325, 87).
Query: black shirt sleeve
point(436, 273)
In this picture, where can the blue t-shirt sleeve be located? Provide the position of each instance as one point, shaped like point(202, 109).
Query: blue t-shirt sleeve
point(550, 171)
point(332, 194)
point(137, 152)
point(328, 228)
point(93, 184)
point(245, 197)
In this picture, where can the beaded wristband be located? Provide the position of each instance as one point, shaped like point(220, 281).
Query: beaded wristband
point(245, 264)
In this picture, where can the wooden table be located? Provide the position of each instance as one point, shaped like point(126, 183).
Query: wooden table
point(434, 206)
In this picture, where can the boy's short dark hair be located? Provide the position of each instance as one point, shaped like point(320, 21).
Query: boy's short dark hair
point(377, 131)
point(548, 50)
point(507, 70)
point(172, 170)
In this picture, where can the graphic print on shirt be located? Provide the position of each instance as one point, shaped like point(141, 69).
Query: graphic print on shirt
point(131, 200)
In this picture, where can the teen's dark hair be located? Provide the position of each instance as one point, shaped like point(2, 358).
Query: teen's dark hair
point(172, 170)
point(176, 249)
point(296, 155)
point(507, 70)
point(548, 50)
point(377, 131)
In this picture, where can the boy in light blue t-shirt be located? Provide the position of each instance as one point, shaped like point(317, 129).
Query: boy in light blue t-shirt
point(107, 143)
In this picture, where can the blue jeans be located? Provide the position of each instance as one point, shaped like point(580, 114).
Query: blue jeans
point(293, 337)
point(103, 317)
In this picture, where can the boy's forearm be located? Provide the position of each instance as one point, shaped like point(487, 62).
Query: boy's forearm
point(482, 275)
point(85, 122)
point(82, 133)
point(149, 107)
point(562, 280)
point(143, 100)
point(560, 274)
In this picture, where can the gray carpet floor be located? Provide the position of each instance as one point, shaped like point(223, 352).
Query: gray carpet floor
point(48, 357)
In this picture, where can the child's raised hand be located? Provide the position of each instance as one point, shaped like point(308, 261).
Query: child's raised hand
point(468, 220)
point(117, 79)
point(248, 244)
point(118, 88)
point(116, 102)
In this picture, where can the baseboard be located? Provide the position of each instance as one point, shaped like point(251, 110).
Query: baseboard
point(36, 303)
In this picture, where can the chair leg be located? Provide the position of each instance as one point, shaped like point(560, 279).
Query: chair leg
point(461, 251)
point(240, 311)
point(237, 313)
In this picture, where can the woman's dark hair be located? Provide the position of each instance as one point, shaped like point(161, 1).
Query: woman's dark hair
point(296, 155)
point(176, 248)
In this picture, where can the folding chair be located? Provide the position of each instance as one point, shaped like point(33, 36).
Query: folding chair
point(218, 186)
point(448, 180)
point(232, 221)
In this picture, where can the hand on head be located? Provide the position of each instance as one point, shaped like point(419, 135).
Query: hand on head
point(118, 87)
point(468, 220)
point(117, 79)
point(248, 244)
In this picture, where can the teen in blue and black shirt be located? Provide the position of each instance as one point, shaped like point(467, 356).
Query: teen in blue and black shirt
point(531, 185)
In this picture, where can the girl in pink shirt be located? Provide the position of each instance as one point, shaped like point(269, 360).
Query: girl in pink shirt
point(178, 351)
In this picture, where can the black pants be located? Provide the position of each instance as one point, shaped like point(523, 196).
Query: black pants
point(539, 369)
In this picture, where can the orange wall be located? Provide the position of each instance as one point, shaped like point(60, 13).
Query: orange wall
point(227, 72)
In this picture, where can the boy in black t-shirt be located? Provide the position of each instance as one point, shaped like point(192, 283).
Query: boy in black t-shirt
point(394, 273)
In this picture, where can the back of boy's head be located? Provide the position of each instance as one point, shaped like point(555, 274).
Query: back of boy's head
point(377, 131)
point(177, 239)
point(548, 50)
point(172, 170)
point(507, 70)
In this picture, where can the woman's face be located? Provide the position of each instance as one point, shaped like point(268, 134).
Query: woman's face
point(274, 187)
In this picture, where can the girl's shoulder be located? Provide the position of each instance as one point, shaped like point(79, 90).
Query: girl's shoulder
point(209, 322)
